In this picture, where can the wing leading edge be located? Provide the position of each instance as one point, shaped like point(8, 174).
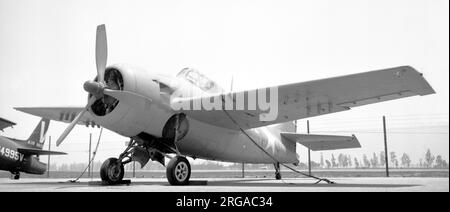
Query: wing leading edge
point(63, 114)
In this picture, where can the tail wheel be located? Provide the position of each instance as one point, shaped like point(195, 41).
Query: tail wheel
point(112, 171)
point(178, 171)
point(278, 175)
point(277, 171)
point(16, 175)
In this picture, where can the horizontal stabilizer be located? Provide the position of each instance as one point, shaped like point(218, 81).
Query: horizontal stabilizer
point(323, 142)
point(30, 151)
point(5, 123)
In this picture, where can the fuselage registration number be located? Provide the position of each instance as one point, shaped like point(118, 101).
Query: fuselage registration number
point(10, 153)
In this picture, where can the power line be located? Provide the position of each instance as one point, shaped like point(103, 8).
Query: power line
point(380, 132)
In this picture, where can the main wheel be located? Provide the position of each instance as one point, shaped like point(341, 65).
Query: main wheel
point(178, 171)
point(16, 176)
point(112, 171)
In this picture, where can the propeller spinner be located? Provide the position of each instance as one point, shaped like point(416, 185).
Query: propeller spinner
point(98, 89)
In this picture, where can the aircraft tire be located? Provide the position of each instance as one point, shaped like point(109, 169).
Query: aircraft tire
point(111, 171)
point(178, 171)
point(278, 176)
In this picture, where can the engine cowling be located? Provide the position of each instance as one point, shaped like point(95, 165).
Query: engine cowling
point(132, 117)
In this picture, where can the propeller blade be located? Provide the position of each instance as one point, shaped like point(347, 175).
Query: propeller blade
point(101, 52)
point(74, 122)
point(101, 55)
point(70, 127)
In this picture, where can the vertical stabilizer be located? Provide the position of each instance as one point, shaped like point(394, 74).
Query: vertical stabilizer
point(37, 138)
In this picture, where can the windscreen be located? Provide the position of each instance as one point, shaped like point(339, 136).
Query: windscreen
point(200, 80)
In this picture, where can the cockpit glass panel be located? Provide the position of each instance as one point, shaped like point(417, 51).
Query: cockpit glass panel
point(200, 80)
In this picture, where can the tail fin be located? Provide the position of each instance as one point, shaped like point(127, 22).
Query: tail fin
point(37, 138)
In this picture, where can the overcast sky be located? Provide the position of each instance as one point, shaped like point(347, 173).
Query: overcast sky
point(47, 52)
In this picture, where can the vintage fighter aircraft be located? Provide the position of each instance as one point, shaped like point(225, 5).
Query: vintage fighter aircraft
point(140, 105)
point(19, 155)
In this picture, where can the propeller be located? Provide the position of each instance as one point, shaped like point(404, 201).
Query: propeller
point(98, 89)
point(101, 54)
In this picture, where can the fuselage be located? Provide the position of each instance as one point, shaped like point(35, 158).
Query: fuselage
point(14, 161)
point(202, 140)
point(215, 143)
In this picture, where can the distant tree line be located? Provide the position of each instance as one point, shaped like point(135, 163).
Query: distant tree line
point(379, 160)
point(340, 161)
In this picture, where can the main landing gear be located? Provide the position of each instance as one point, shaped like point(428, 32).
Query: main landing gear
point(178, 171)
point(112, 170)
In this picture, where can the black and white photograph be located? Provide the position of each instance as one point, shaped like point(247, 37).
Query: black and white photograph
point(224, 96)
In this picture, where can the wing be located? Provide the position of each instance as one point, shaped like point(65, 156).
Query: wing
point(318, 97)
point(323, 142)
point(5, 123)
point(31, 151)
point(63, 114)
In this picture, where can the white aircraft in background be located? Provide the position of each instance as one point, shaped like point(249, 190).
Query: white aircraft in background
point(137, 104)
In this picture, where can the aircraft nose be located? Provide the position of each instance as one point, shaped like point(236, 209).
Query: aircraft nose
point(94, 88)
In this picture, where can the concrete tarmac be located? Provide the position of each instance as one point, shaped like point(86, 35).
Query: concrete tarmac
point(370, 184)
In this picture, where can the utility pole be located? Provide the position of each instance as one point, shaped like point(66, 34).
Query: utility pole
point(309, 151)
point(295, 126)
point(48, 158)
point(134, 169)
point(89, 161)
point(385, 147)
point(231, 87)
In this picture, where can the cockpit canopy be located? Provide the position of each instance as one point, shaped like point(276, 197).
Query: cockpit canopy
point(200, 80)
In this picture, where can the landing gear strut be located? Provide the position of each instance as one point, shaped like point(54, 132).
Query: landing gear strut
point(277, 171)
point(178, 171)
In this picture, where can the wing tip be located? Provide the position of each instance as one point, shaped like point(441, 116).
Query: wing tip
point(426, 88)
